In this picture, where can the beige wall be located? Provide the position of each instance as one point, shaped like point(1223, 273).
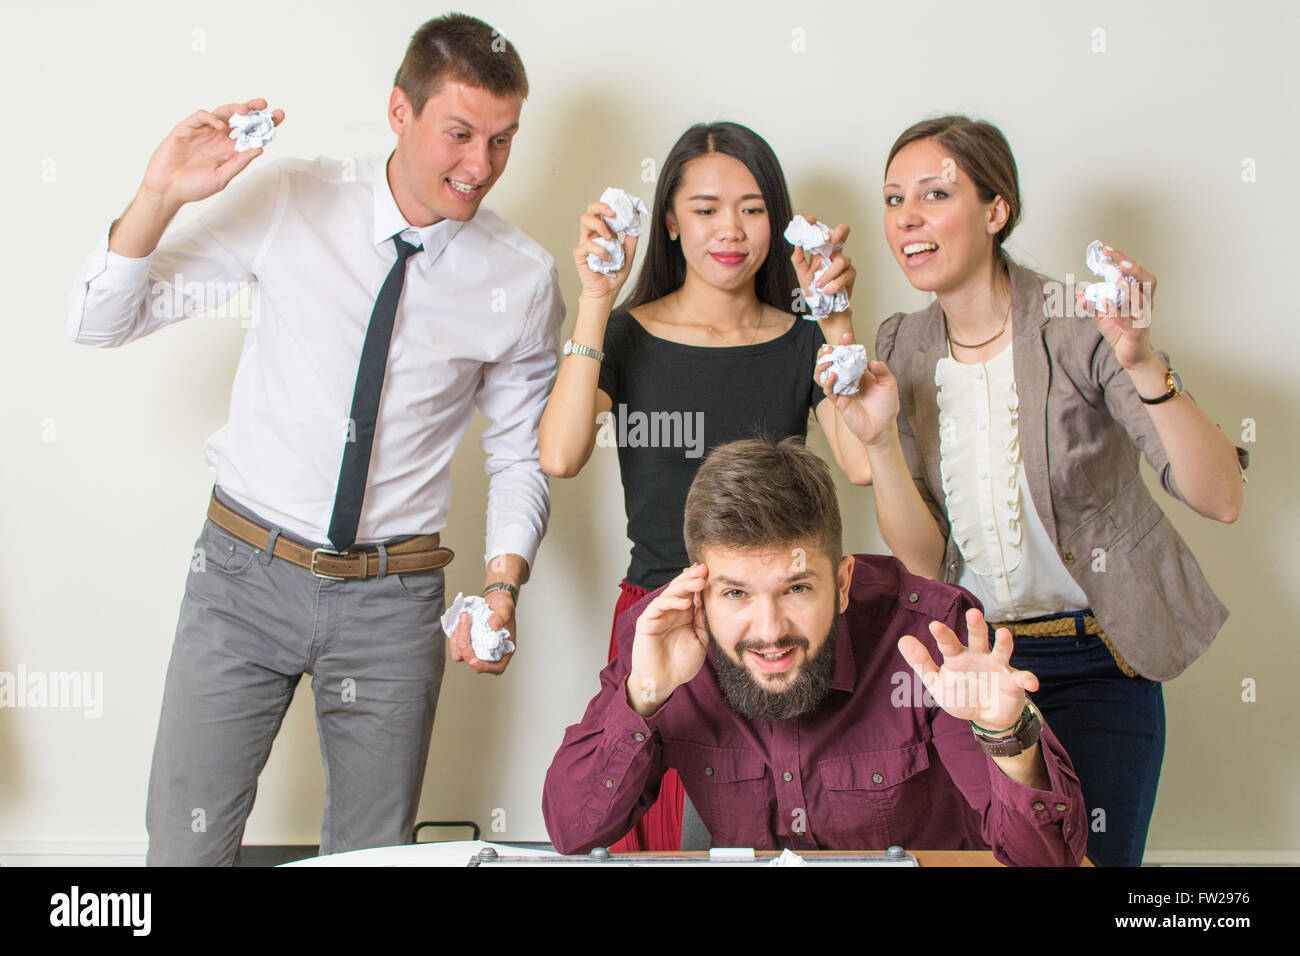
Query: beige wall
point(103, 486)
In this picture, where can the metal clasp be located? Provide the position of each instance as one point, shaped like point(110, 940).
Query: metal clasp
point(328, 577)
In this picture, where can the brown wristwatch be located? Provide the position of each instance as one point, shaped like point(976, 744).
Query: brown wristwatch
point(1028, 728)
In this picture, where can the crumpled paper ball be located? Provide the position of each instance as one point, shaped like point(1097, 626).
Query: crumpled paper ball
point(848, 362)
point(815, 239)
point(788, 858)
point(1111, 288)
point(488, 644)
point(625, 219)
point(251, 130)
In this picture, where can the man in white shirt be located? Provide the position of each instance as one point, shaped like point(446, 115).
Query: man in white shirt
point(388, 306)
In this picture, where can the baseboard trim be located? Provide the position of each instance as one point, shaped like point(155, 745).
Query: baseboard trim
point(87, 854)
point(1221, 858)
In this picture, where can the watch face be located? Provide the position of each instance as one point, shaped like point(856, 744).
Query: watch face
point(568, 346)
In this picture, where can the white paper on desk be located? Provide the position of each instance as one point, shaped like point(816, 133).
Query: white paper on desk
point(848, 362)
point(625, 219)
point(815, 239)
point(788, 858)
point(1111, 288)
point(251, 130)
point(488, 644)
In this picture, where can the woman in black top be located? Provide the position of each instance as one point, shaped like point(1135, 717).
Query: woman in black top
point(706, 349)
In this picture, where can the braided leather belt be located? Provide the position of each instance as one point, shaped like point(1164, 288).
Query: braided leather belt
point(420, 553)
point(1065, 627)
point(1060, 627)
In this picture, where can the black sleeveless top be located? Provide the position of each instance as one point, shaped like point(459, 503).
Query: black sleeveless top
point(672, 403)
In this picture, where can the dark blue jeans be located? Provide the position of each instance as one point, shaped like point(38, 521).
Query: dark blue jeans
point(1113, 728)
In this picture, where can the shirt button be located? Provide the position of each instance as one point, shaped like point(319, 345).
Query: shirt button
point(609, 783)
point(913, 597)
point(877, 778)
point(983, 473)
point(983, 425)
point(1058, 806)
point(988, 526)
point(638, 736)
point(1039, 805)
point(1069, 555)
point(708, 771)
point(787, 776)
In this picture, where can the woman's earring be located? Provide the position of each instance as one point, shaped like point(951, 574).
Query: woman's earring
point(672, 237)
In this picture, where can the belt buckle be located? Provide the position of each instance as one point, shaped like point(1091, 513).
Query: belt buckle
point(327, 577)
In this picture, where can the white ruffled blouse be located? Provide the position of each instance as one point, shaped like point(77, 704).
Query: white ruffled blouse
point(1009, 562)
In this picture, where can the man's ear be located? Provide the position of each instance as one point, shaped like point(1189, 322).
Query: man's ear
point(400, 111)
point(844, 579)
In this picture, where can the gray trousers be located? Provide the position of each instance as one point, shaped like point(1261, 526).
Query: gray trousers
point(250, 626)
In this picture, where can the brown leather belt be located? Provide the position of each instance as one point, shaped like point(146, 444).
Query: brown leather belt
point(420, 553)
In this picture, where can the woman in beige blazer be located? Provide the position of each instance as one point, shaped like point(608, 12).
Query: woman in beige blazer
point(1003, 424)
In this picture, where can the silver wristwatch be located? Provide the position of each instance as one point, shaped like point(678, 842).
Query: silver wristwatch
point(571, 347)
point(503, 586)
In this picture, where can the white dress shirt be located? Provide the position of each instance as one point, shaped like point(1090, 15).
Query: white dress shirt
point(477, 325)
point(1008, 560)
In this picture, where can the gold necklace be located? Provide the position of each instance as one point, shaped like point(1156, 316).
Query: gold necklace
point(677, 301)
point(979, 345)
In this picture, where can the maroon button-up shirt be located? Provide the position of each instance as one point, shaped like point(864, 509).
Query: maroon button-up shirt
point(877, 763)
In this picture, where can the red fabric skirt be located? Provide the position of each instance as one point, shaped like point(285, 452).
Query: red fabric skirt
point(661, 827)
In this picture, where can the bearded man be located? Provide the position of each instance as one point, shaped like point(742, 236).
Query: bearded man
point(769, 675)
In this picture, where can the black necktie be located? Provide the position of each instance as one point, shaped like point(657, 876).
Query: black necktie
point(365, 403)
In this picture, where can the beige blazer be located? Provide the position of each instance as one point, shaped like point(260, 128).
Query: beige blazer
point(1081, 428)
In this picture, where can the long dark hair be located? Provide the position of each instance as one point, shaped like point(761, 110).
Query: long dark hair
point(664, 269)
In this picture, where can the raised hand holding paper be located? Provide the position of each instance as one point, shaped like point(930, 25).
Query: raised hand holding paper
point(1111, 288)
point(815, 239)
point(625, 219)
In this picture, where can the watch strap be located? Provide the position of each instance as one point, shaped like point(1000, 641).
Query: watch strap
point(1173, 388)
point(503, 586)
point(574, 348)
point(1027, 732)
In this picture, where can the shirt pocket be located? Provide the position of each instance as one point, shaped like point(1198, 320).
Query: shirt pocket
point(875, 798)
point(729, 788)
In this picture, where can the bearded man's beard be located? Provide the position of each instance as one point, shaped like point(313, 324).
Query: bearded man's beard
point(751, 698)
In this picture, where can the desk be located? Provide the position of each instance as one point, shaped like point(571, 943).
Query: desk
point(459, 853)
